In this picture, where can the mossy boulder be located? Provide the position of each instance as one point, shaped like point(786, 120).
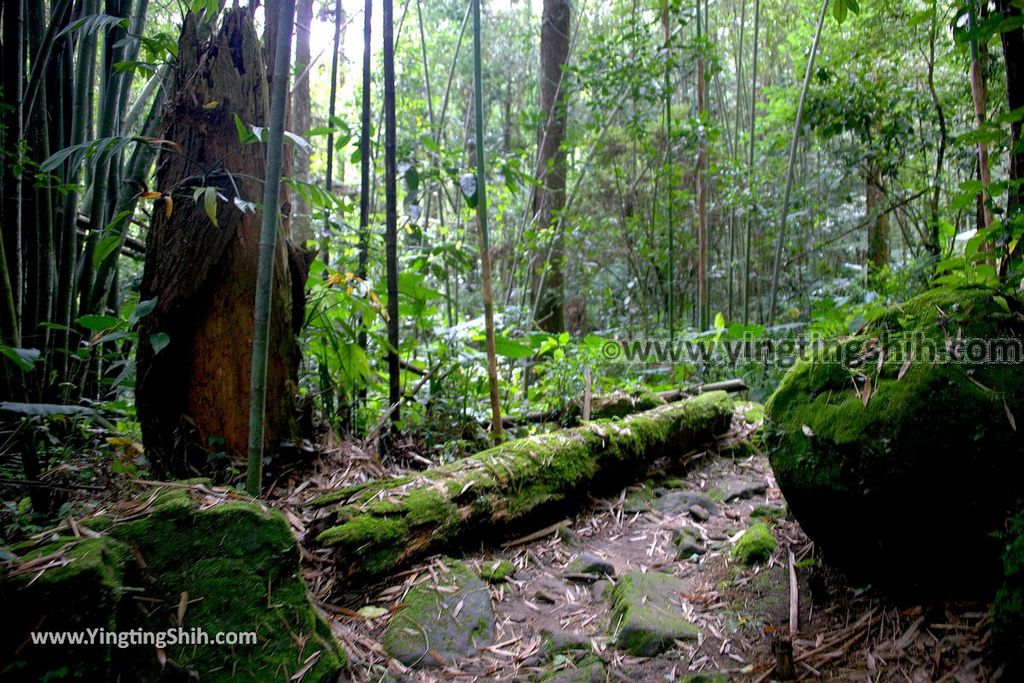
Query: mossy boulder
point(233, 567)
point(647, 616)
point(443, 621)
point(87, 592)
point(899, 462)
point(756, 545)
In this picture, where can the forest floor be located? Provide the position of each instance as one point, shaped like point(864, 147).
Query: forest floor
point(743, 612)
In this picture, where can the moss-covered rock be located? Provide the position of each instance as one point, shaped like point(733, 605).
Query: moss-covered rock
point(229, 568)
point(442, 622)
point(884, 476)
point(646, 614)
point(84, 590)
point(687, 543)
point(756, 545)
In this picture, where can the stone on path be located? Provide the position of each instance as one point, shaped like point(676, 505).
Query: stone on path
point(442, 621)
point(646, 615)
point(589, 563)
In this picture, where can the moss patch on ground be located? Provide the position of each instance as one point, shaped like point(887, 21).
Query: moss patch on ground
point(756, 545)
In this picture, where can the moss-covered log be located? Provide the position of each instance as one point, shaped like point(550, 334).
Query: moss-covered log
point(376, 526)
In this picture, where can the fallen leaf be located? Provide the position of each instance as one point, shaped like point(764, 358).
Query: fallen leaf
point(1009, 416)
point(182, 606)
point(372, 612)
point(808, 432)
point(865, 395)
point(211, 105)
point(905, 366)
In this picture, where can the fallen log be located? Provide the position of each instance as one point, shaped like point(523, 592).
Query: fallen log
point(618, 404)
point(378, 525)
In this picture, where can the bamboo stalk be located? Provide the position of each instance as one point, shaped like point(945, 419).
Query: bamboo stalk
point(268, 244)
point(481, 217)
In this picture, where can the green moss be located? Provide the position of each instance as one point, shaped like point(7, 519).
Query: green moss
point(769, 513)
point(496, 571)
point(428, 506)
point(755, 545)
point(752, 412)
point(370, 542)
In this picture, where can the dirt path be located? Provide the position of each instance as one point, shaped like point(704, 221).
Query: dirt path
point(742, 612)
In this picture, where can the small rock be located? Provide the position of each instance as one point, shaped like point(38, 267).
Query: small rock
point(677, 502)
point(589, 669)
point(699, 513)
point(741, 488)
point(557, 640)
point(598, 590)
point(687, 544)
point(589, 563)
point(646, 616)
point(732, 514)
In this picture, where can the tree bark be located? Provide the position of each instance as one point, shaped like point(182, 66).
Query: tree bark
point(549, 198)
point(301, 116)
point(193, 395)
point(877, 218)
point(376, 526)
point(1013, 58)
point(391, 211)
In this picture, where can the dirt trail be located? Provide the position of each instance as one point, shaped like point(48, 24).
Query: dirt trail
point(743, 612)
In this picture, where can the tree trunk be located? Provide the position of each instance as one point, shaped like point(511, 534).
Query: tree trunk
point(877, 218)
point(1013, 58)
point(301, 117)
point(549, 198)
point(193, 394)
point(391, 211)
point(379, 525)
